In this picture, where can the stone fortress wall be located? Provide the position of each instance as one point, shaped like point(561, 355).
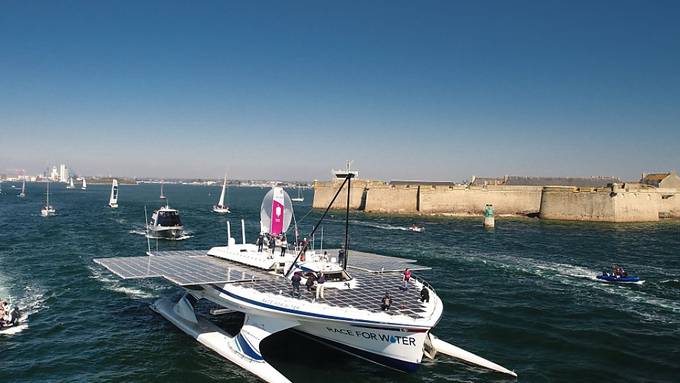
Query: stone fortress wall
point(617, 202)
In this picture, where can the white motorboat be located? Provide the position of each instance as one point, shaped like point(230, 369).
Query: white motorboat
point(23, 190)
point(221, 208)
point(48, 209)
point(347, 316)
point(113, 199)
point(84, 187)
point(70, 184)
point(165, 224)
point(416, 229)
point(300, 197)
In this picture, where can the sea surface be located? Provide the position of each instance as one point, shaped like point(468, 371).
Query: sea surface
point(521, 295)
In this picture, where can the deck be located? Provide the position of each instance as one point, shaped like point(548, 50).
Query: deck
point(375, 275)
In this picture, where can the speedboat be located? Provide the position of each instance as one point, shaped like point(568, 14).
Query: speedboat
point(347, 316)
point(10, 319)
point(165, 224)
point(611, 278)
point(416, 229)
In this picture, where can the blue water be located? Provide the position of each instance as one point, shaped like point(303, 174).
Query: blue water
point(521, 295)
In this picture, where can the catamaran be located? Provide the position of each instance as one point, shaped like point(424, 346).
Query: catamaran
point(84, 187)
point(346, 313)
point(299, 197)
point(23, 190)
point(70, 184)
point(48, 209)
point(221, 208)
point(113, 199)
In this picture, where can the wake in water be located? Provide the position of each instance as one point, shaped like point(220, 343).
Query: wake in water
point(112, 284)
point(382, 226)
point(583, 277)
point(140, 230)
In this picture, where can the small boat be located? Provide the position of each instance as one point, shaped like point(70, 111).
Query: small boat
point(162, 196)
point(618, 275)
point(23, 190)
point(221, 208)
point(70, 184)
point(113, 200)
point(165, 224)
point(10, 320)
point(84, 187)
point(416, 229)
point(48, 209)
point(299, 197)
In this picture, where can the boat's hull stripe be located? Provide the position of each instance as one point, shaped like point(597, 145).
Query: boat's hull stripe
point(247, 348)
point(305, 313)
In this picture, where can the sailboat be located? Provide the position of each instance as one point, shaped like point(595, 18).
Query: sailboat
point(23, 190)
point(221, 208)
point(84, 187)
point(299, 197)
point(113, 200)
point(70, 184)
point(48, 210)
point(162, 195)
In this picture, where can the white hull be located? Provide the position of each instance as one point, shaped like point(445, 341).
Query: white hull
point(395, 345)
point(113, 205)
point(221, 210)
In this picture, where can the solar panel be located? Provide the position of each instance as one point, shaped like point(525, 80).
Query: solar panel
point(374, 263)
point(179, 269)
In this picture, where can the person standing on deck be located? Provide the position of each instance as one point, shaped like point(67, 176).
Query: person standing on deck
point(406, 278)
point(320, 285)
point(259, 243)
point(296, 284)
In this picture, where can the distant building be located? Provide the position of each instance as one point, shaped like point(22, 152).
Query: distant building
point(63, 173)
point(661, 180)
point(593, 182)
point(54, 174)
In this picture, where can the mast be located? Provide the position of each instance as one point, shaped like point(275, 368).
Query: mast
point(47, 205)
point(224, 189)
point(349, 189)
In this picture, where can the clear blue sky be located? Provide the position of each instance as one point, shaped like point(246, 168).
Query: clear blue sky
point(437, 90)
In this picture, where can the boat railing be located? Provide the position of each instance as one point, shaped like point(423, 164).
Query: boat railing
point(423, 282)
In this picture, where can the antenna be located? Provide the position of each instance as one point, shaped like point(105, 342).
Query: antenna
point(228, 232)
point(243, 230)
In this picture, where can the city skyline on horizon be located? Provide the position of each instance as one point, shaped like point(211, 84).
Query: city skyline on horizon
point(428, 91)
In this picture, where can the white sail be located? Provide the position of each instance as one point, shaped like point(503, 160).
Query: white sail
point(23, 189)
point(113, 200)
point(70, 183)
point(224, 190)
point(84, 187)
point(221, 208)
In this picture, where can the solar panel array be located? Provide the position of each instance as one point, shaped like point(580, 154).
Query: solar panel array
point(194, 267)
point(179, 269)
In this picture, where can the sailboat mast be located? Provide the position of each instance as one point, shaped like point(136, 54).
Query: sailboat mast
point(48, 195)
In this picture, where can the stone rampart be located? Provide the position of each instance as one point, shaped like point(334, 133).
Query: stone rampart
point(521, 200)
point(606, 204)
point(325, 190)
point(392, 199)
